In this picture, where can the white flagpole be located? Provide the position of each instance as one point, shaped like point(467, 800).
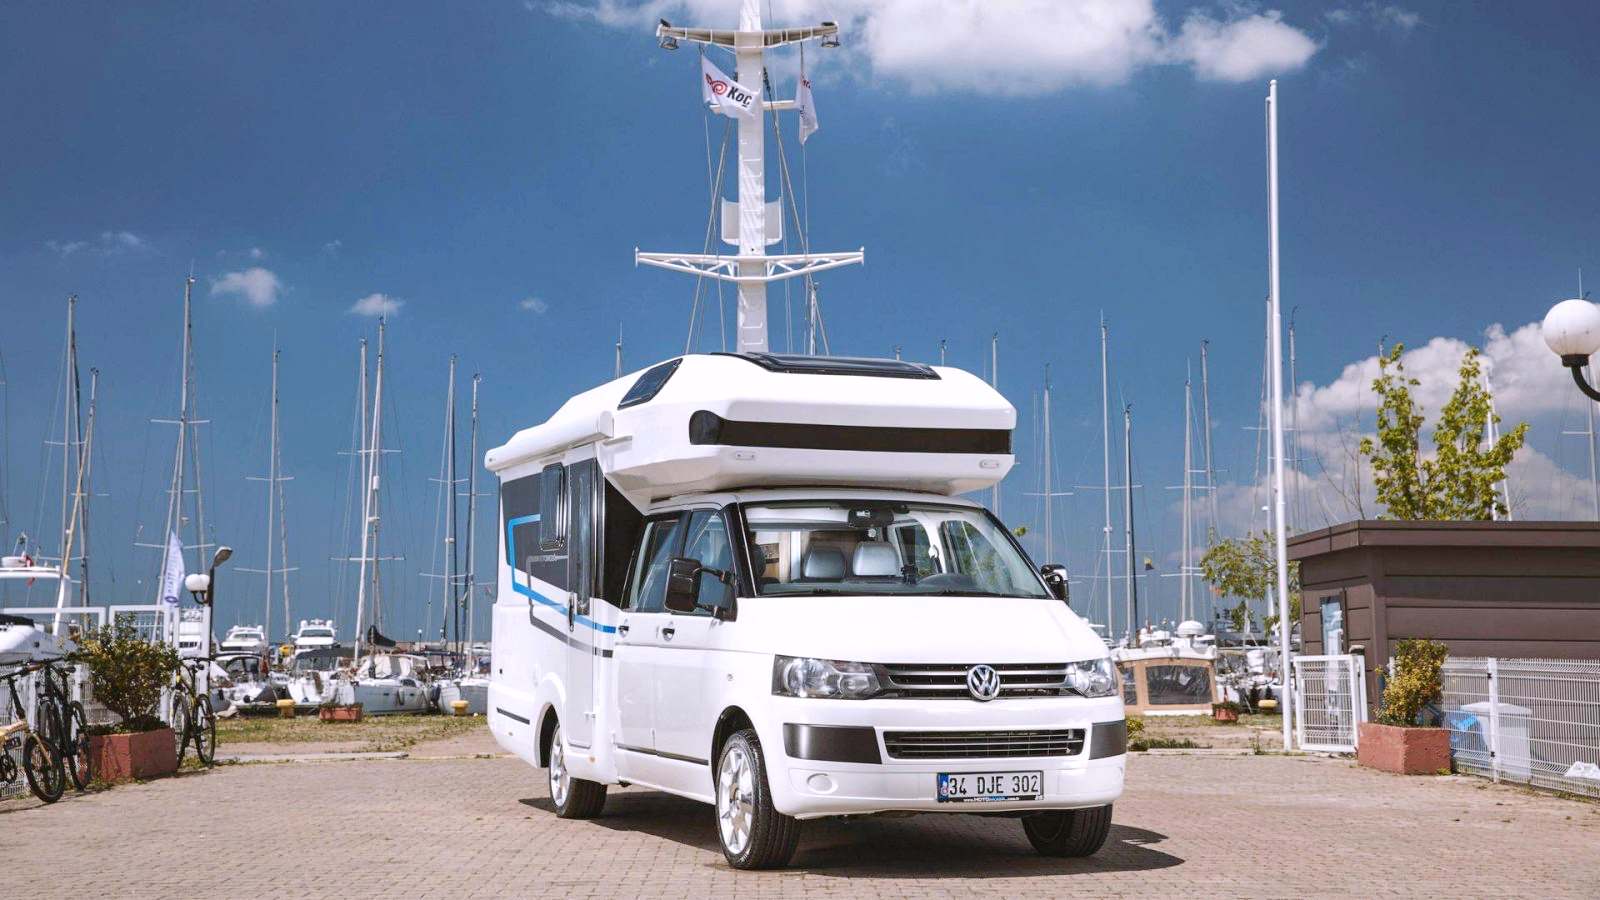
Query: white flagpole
point(1276, 362)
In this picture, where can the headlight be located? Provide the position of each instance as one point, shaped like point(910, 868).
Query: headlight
point(1093, 677)
point(800, 676)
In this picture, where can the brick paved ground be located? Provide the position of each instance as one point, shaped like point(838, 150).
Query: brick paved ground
point(1200, 825)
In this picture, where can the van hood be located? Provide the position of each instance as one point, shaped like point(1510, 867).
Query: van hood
point(919, 629)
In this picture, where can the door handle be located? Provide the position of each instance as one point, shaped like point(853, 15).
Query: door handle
point(667, 632)
point(572, 611)
point(622, 630)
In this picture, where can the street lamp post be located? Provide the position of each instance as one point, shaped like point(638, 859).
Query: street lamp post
point(1572, 329)
point(202, 587)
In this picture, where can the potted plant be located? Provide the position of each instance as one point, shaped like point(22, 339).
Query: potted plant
point(127, 674)
point(1399, 741)
point(1226, 711)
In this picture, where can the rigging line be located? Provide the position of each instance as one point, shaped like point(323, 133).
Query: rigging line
point(711, 219)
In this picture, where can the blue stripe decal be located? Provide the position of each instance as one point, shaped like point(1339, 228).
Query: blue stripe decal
point(530, 592)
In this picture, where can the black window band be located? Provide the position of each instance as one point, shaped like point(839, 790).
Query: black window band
point(708, 428)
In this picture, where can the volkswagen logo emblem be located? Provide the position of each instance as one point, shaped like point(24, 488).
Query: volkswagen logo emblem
point(983, 682)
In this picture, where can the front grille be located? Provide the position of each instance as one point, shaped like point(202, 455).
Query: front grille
point(982, 744)
point(938, 681)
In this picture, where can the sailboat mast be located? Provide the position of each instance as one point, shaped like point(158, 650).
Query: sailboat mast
point(451, 572)
point(1049, 490)
point(1185, 595)
point(618, 369)
point(369, 505)
point(994, 382)
point(1292, 435)
point(85, 488)
point(69, 392)
point(472, 510)
point(272, 484)
point(175, 489)
point(1211, 473)
point(1105, 458)
point(1127, 489)
point(77, 519)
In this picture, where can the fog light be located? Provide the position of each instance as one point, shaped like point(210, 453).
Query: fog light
point(820, 784)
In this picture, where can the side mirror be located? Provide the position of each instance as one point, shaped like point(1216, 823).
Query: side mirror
point(1055, 578)
point(683, 584)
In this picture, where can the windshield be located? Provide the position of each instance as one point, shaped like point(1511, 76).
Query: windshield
point(316, 632)
point(882, 547)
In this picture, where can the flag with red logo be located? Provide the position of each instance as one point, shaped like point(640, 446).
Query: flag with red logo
point(724, 95)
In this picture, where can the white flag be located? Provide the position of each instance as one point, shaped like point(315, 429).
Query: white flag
point(172, 573)
point(807, 108)
point(724, 95)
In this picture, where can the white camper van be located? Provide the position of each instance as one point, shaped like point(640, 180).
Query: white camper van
point(748, 579)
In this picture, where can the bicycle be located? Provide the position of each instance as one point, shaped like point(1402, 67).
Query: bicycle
point(193, 720)
point(47, 777)
point(74, 722)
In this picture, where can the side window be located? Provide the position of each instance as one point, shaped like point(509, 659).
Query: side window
point(647, 587)
point(552, 507)
point(970, 553)
point(708, 542)
point(915, 548)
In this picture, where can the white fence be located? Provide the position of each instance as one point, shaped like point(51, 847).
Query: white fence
point(1531, 721)
point(1330, 701)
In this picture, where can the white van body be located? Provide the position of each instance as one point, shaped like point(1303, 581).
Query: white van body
point(833, 482)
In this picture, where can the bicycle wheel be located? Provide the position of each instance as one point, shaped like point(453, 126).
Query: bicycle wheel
point(181, 724)
point(75, 740)
point(205, 730)
point(46, 778)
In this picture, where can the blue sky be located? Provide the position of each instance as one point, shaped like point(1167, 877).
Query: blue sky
point(487, 169)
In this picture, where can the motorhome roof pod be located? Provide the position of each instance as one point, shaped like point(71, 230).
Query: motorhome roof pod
point(719, 421)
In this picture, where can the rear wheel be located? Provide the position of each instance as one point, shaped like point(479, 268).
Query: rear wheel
point(76, 753)
point(182, 715)
point(574, 798)
point(1068, 832)
point(46, 778)
point(754, 835)
point(205, 731)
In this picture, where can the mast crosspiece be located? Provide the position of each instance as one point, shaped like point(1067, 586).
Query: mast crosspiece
point(751, 269)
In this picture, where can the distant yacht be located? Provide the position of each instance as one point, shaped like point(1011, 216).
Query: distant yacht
point(244, 639)
point(315, 634)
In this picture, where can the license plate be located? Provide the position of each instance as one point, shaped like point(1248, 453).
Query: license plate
point(979, 787)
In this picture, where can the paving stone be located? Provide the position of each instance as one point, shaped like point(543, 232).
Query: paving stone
point(1198, 825)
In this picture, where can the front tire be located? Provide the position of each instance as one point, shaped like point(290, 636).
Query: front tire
point(79, 763)
point(1068, 832)
point(574, 798)
point(205, 731)
point(753, 834)
point(46, 777)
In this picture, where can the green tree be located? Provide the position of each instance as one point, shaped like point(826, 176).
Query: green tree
point(1458, 481)
point(1245, 568)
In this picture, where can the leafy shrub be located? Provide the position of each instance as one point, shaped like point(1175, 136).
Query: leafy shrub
point(1416, 682)
point(127, 673)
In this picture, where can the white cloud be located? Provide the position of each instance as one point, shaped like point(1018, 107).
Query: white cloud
point(257, 253)
point(1242, 49)
point(1008, 47)
point(124, 239)
point(535, 305)
point(377, 305)
point(1334, 484)
point(332, 247)
point(257, 286)
point(1379, 15)
point(109, 243)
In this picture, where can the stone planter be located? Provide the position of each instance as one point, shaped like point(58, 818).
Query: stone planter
point(123, 757)
point(1404, 751)
point(1224, 714)
point(340, 713)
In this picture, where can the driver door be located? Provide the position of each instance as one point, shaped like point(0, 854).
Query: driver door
point(687, 698)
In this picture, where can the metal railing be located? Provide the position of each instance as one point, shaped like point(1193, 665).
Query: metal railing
point(1529, 721)
point(1330, 698)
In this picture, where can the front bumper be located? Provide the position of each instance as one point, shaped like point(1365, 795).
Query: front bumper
point(831, 786)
